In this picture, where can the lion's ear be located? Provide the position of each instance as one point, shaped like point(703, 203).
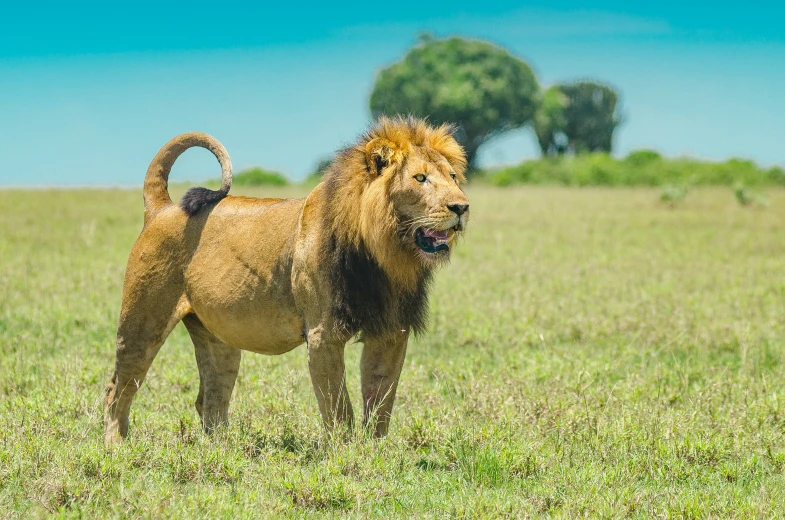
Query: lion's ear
point(379, 154)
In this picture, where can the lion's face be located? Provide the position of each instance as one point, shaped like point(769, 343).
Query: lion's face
point(398, 194)
point(431, 208)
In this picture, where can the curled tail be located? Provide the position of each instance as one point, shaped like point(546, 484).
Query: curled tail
point(156, 182)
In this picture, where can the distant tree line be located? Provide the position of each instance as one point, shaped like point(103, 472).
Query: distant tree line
point(638, 168)
point(486, 91)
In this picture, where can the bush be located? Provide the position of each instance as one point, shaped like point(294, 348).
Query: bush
point(259, 177)
point(747, 197)
point(642, 157)
point(776, 175)
point(673, 195)
point(321, 168)
point(639, 168)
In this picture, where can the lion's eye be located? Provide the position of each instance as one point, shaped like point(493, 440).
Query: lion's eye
point(420, 177)
point(454, 177)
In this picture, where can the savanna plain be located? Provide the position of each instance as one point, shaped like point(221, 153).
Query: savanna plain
point(591, 352)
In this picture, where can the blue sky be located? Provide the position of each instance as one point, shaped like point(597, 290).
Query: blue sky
point(89, 93)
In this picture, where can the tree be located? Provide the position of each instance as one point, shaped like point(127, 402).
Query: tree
point(577, 117)
point(592, 116)
point(479, 87)
point(550, 122)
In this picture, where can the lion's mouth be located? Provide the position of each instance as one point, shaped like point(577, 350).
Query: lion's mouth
point(431, 240)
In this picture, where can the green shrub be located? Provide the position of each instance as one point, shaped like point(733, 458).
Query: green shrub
point(673, 195)
point(776, 175)
point(639, 168)
point(315, 177)
point(746, 197)
point(259, 177)
point(642, 157)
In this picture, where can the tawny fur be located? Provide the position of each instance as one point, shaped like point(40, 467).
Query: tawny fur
point(266, 275)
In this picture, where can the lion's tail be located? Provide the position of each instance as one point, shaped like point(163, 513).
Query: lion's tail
point(156, 182)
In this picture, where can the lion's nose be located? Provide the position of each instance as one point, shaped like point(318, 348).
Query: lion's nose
point(458, 209)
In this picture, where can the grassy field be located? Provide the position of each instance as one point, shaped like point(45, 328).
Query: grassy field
point(591, 352)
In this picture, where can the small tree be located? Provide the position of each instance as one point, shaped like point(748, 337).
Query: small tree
point(577, 117)
point(550, 122)
point(592, 116)
point(481, 88)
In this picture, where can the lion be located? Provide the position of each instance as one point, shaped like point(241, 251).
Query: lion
point(353, 259)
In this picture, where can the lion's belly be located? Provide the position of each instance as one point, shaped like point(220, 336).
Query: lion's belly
point(264, 328)
point(239, 279)
point(243, 309)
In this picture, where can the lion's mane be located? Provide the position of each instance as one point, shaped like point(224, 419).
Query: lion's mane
point(378, 286)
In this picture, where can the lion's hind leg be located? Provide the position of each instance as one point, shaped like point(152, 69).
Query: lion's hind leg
point(218, 366)
point(145, 323)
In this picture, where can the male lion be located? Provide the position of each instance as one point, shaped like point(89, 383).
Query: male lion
point(266, 275)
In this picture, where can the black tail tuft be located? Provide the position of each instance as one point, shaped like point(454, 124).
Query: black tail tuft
point(197, 198)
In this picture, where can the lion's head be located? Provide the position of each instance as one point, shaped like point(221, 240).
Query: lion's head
point(398, 193)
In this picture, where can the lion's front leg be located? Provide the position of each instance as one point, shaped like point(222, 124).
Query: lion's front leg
point(380, 369)
point(328, 375)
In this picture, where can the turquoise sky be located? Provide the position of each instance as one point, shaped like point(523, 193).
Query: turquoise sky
point(88, 94)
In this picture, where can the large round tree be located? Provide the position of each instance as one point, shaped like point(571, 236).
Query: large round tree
point(481, 88)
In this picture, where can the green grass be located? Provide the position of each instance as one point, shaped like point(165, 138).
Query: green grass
point(591, 352)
